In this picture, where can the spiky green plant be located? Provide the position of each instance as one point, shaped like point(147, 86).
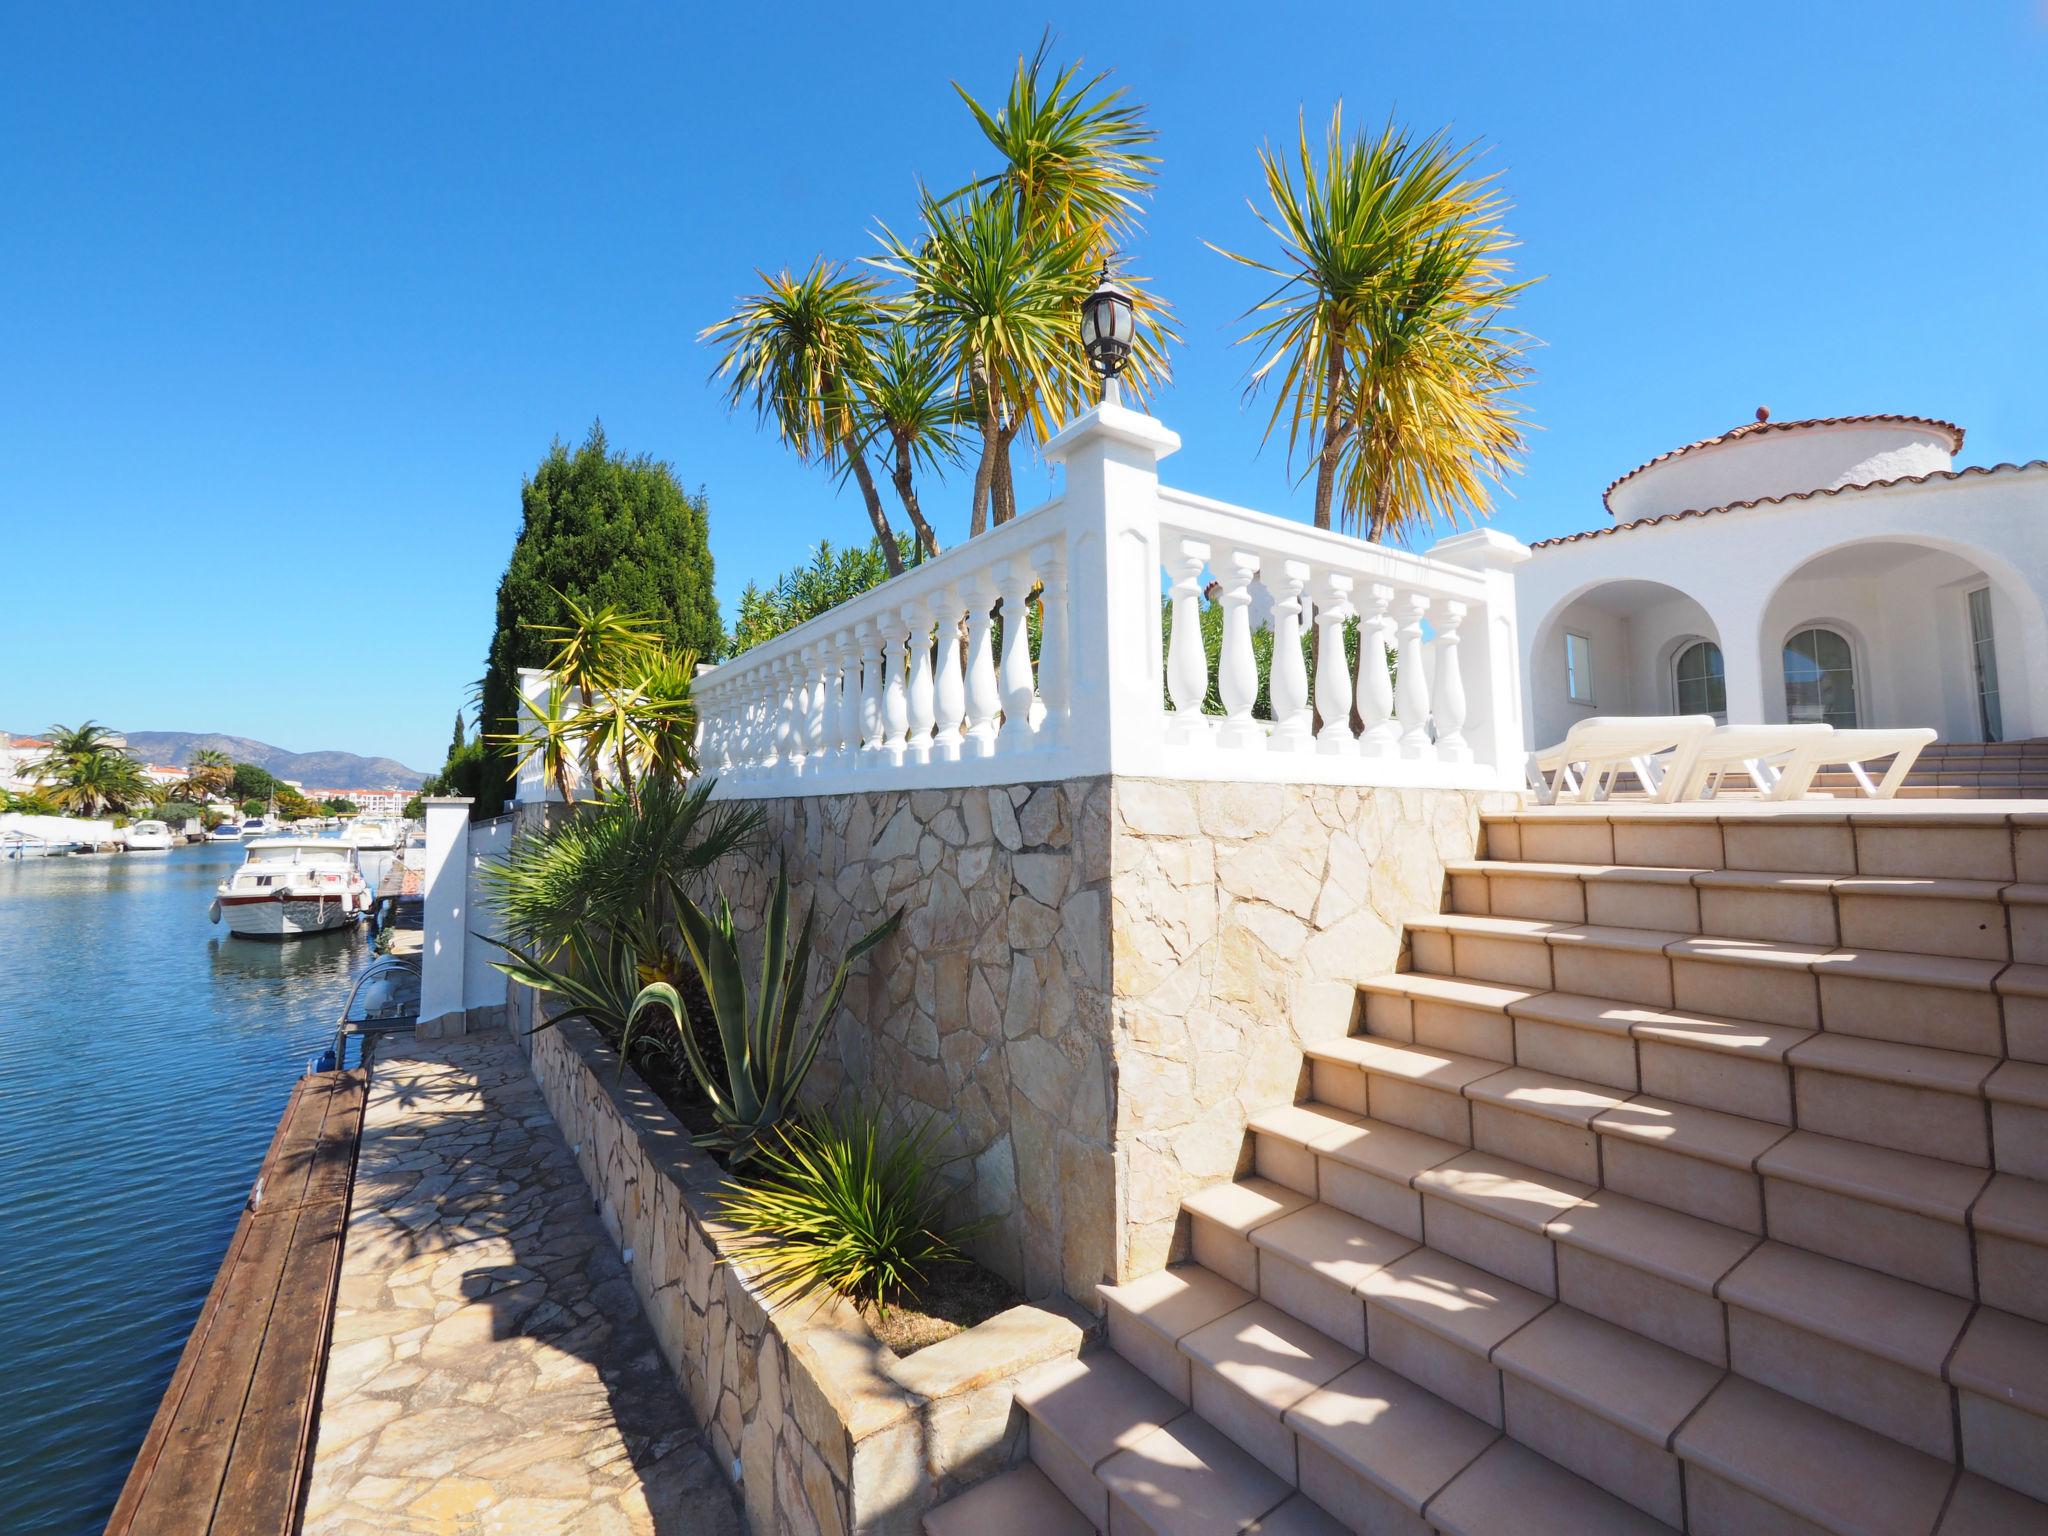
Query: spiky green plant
point(835, 1203)
point(769, 1049)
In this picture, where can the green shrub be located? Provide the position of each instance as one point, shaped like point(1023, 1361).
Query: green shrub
point(833, 1204)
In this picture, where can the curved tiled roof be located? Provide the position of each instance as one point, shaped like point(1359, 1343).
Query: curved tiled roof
point(1771, 501)
point(1756, 428)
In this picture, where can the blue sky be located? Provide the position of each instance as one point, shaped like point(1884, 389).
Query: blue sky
point(308, 294)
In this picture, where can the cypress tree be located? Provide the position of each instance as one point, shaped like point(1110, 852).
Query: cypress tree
point(598, 527)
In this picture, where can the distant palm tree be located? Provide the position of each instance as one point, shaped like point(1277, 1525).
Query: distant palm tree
point(84, 772)
point(795, 351)
point(909, 408)
point(1385, 340)
point(210, 772)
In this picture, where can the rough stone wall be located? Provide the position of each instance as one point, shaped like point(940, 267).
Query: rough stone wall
point(1242, 918)
point(989, 1008)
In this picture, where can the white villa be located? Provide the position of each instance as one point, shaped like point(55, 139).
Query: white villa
point(1839, 570)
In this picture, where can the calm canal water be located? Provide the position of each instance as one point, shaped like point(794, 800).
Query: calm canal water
point(144, 1060)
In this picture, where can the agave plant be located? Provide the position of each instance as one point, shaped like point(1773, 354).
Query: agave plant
point(769, 1050)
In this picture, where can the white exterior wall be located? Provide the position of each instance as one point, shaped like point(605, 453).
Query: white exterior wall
point(1779, 463)
point(483, 985)
point(1736, 565)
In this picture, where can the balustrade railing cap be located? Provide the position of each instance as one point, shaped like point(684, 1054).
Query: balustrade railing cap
point(1481, 549)
point(1115, 423)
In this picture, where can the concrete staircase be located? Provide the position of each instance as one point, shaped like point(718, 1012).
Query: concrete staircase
point(1965, 770)
point(1693, 1176)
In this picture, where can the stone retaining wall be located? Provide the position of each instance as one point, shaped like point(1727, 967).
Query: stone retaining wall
point(825, 1428)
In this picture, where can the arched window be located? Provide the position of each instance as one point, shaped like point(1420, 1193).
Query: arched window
point(1820, 678)
point(1698, 681)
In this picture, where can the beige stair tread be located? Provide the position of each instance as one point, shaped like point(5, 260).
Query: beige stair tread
point(2024, 981)
point(1623, 1377)
point(1097, 1404)
point(1273, 1358)
point(1339, 1247)
point(1302, 1123)
point(1175, 1302)
point(1188, 1479)
point(1602, 936)
point(1644, 874)
point(1421, 1064)
point(1786, 882)
point(2013, 1207)
point(1546, 1095)
point(2023, 1083)
point(1539, 869)
point(1603, 1014)
point(1515, 1193)
point(1838, 1475)
point(1878, 1314)
point(2024, 895)
point(2006, 1358)
point(1730, 1140)
point(1451, 1299)
point(1511, 1491)
point(1399, 1436)
point(1485, 996)
point(1390, 1151)
point(1706, 1032)
point(1886, 1061)
point(1925, 1186)
point(1980, 1507)
point(1534, 929)
point(1685, 1250)
point(1020, 1502)
point(1930, 887)
point(1716, 950)
point(1245, 1205)
point(1299, 1516)
point(1911, 969)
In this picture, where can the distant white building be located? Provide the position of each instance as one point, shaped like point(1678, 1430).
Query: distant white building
point(1841, 570)
point(18, 755)
point(368, 802)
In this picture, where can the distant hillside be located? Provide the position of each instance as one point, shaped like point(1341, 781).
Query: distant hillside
point(322, 770)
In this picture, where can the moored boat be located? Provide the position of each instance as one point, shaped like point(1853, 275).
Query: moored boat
point(292, 886)
point(375, 832)
point(147, 837)
point(226, 832)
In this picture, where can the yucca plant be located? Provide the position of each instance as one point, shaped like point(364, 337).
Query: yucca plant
point(769, 1050)
point(836, 1204)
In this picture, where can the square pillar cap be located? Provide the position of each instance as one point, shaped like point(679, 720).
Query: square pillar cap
point(1482, 549)
point(432, 800)
point(1109, 422)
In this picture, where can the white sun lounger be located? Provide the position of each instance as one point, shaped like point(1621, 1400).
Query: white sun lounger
point(1767, 755)
point(1594, 752)
point(1853, 749)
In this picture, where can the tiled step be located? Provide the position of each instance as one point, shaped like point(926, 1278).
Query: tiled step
point(1969, 919)
point(1941, 1001)
point(1020, 1502)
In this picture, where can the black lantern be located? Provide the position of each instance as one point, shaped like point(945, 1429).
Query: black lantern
point(1109, 324)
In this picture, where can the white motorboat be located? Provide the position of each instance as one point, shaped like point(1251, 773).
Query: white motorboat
point(373, 832)
point(147, 837)
point(226, 832)
point(292, 886)
point(257, 826)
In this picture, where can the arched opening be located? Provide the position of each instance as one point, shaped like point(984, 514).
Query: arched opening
point(1613, 649)
point(1897, 632)
point(1699, 680)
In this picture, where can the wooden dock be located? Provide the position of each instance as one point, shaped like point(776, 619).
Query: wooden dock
point(231, 1446)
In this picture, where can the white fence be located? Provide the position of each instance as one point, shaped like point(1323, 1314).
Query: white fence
point(919, 683)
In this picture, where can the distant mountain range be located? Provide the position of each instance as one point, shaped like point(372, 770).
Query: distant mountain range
point(321, 770)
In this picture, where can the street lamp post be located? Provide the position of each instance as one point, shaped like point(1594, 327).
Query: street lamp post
point(1109, 324)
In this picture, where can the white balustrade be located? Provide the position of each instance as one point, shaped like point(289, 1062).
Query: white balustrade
point(908, 684)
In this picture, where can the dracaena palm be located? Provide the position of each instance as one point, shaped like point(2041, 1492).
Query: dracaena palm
point(794, 351)
point(911, 409)
point(595, 654)
point(1386, 323)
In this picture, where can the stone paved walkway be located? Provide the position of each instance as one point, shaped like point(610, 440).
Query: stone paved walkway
point(491, 1372)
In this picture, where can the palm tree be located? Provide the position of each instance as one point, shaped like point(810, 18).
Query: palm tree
point(84, 772)
point(597, 654)
point(908, 404)
point(210, 771)
point(552, 740)
point(1383, 339)
point(795, 352)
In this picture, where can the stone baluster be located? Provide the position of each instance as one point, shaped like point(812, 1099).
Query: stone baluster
point(872, 722)
point(1375, 686)
point(847, 659)
point(1019, 689)
point(1187, 662)
point(783, 703)
point(820, 715)
point(1333, 676)
point(800, 705)
point(984, 697)
point(950, 693)
point(1288, 689)
point(1448, 700)
point(1411, 684)
point(1054, 684)
point(916, 625)
point(896, 691)
point(1237, 672)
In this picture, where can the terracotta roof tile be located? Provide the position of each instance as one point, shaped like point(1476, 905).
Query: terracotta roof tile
point(1771, 501)
point(1757, 428)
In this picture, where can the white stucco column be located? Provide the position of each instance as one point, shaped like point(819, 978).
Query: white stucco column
point(1750, 698)
point(1112, 455)
point(1494, 722)
point(444, 936)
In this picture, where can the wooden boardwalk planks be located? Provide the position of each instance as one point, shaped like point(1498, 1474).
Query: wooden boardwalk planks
point(230, 1447)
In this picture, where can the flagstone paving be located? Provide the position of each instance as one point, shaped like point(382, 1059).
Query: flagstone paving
point(491, 1373)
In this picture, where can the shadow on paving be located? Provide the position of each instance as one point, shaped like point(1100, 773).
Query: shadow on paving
point(491, 1372)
